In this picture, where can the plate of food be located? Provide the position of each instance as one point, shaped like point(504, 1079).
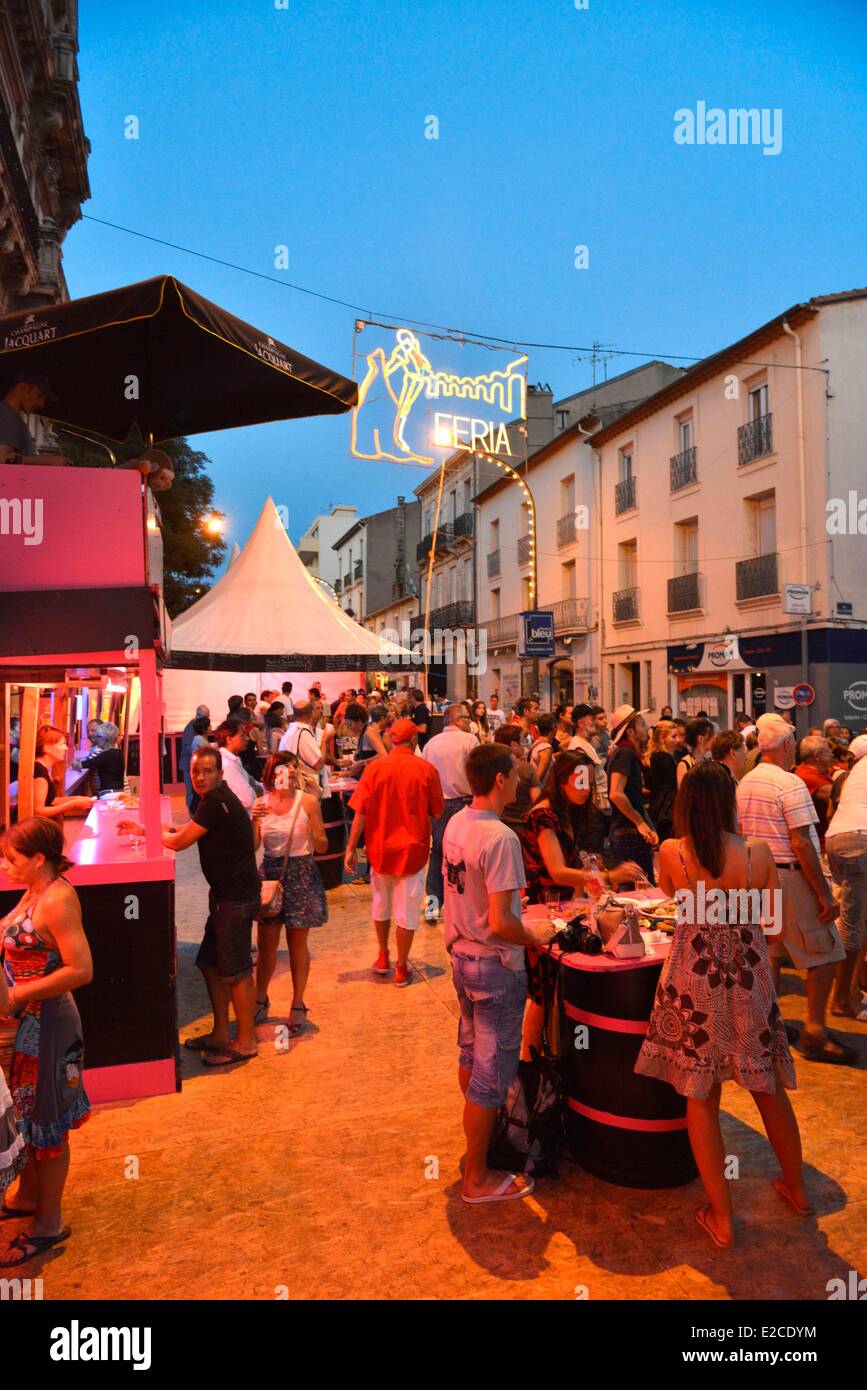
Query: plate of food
point(660, 913)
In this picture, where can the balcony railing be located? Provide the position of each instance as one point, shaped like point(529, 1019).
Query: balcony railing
point(566, 529)
point(338, 585)
point(570, 614)
point(684, 593)
point(756, 577)
point(625, 495)
point(450, 615)
point(464, 524)
point(359, 568)
point(755, 439)
point(444, 538)
point(523, 550)
point(682, 469)
point(493, 561)
point(501, 630)
point(626, 605)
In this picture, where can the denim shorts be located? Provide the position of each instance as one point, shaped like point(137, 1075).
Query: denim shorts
point(228, 937)
point(492, 1000)
point(847, 856)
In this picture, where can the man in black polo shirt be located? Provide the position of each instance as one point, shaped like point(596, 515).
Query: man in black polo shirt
point(420, 716)
point(222, 830)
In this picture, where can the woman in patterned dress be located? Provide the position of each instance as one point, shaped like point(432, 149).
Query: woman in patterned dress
point(285, 811)
point(46, 956)
point(716, 1017)
point(13, 1154)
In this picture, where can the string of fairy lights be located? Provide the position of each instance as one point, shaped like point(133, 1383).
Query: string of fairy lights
point(466, 337)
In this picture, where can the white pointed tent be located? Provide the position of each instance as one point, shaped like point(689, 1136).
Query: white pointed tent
point(266, 620)
point(236, 550)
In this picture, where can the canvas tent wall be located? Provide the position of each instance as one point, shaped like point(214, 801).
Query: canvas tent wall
point(266, 620)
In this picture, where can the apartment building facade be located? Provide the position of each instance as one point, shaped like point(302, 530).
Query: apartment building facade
point(43, 149)
point(561, 477)
point(316, 546)
point(723, 582)
point(376, 560)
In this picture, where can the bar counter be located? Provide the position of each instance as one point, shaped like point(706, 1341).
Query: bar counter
point(128, 1010)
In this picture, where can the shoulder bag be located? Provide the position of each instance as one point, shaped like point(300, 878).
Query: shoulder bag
point(271, 901)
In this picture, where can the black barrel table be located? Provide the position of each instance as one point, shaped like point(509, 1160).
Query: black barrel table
point(623, 1127)
point(330, 864)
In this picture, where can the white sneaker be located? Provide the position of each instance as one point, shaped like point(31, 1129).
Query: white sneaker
point(431, 910)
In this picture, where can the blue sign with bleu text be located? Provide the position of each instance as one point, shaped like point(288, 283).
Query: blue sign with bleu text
point(536, 634)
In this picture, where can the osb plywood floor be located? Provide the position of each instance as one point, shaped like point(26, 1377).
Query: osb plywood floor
point(305, 1172)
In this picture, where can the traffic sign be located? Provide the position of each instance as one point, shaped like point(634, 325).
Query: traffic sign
point(804, 694)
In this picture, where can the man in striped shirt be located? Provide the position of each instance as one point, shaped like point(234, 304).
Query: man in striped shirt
point(775, 806)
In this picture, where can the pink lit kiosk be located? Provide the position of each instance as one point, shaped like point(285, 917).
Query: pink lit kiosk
point(81, 616)
point(80, 638)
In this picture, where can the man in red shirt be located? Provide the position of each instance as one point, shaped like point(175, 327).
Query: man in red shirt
point(394, 804)
point(815, 769)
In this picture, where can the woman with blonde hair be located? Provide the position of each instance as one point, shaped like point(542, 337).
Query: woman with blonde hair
point(660, 775)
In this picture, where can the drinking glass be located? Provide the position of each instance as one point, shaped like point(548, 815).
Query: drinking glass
point(552, 902)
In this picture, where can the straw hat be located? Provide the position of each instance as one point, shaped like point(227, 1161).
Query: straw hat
point(620, 718)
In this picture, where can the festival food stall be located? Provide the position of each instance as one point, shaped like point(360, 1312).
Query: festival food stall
point(82, 622)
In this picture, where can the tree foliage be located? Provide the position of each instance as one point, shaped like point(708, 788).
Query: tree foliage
point(189, 552)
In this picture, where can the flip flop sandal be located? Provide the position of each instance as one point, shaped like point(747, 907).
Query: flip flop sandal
point(262, 1008)
point(15, 1213)
point(31, 1246)
point(199, 1045)
point(502, 1193)
point(226, 1057)
point(825, 1050)
point(783, 1192)
point(701, 1218)
point(296, 1027)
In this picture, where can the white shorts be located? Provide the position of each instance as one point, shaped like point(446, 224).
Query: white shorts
point(399, 899)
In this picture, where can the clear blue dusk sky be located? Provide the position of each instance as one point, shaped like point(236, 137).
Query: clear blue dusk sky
point(305, 126)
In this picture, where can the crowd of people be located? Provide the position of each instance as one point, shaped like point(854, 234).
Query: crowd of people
point(469, 823)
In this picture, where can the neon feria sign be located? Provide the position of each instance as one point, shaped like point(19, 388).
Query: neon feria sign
point(406, 405)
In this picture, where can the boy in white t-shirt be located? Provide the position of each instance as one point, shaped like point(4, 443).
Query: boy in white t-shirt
point(483, 873)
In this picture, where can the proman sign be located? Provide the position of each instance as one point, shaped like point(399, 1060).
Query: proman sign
point(410, 404)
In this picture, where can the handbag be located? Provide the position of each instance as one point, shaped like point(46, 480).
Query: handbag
point(271, 893)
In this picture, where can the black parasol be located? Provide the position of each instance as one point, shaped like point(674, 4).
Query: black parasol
point(158, 356)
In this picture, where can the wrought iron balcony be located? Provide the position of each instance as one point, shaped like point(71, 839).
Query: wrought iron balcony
point(501, 631)
point(359, 569)
point(570, 614)
point(625, 495)
point(626, 605)
point(444, 538)
point(755, 439)
point(450, 615)
point(464, 525)
point(523, 550)
point(566, 529)
point(684, 593)
point(682, 469)
point(338, 585)
point(756, 577)
point(493, 560)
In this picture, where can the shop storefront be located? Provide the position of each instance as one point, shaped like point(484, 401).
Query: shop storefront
point(736, 675)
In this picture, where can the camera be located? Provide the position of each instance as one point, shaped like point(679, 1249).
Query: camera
point(577, 936)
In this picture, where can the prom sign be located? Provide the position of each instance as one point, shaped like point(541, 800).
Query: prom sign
point(451, 394)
